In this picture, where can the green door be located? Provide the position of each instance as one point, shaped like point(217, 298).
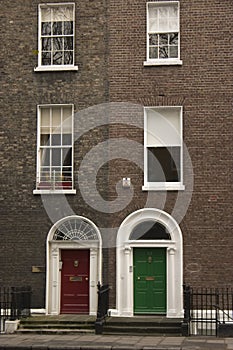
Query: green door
point(150, 280)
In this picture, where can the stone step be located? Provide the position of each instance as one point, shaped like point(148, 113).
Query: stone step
point(54, 331)
point(143, 326)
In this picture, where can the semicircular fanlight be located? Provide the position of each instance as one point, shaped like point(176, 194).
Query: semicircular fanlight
point(75, 229)
point(149, 230)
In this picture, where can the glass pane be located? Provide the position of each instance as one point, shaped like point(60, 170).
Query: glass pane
point(153, 25)
point(56, 156)
point(163, 39)
point(173, 51)
point(163, 12)
point(66, 139)
point(153, 39)
point(163, 164)
point(173, 11)
point(153, 11)
point(68, 27)
point(63, 13)
point(46, 28)
point(46, 44)
point(45, 157)
point(173, 39)
point(163, 52)
point(44, 139)
point(68, 43)
point(56, 139)
point(57, 57)
point(57, 28)
point(57, 44)
point(44, 173)
point(46, 58)
point(46, 14)
point(150, 230)
point(66, 157)
point(68, 57)
point(45, 117)
point(173, 25)
point(153, 52)
point(67, 174)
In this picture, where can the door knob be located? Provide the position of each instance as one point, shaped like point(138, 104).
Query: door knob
point(86, 278)
point(139, 278)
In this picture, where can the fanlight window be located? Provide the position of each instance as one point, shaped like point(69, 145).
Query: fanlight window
point(149, 230)
point(75, 229)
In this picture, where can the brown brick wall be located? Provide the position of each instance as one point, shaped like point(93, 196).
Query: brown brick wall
point(110, 51)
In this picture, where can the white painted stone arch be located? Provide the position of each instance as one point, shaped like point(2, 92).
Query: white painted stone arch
point(53, 273)
point(174, 248)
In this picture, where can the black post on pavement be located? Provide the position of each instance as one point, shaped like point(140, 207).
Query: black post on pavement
point(187, 316)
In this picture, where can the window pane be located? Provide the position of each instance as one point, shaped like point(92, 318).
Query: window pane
point(173, 52)
point(45, 157)
point(46, 28)
point(68, 43)
point(46, 44)
point(66, 157)
point(153, 25)
point(153, 39)
point(150, 230)
point(57, 57)
point(57, 44)
point(68, 27)
point(153, 52)
point(163, 52)
point(55, 139)
point(56, 156)
point(163, 127)
point(57, 28)
point(46, 14)
point(46, 58)
point(68, 57)
point(44, 140)
point(173, 39)
point(66, 139)
point(163, 39)
point(163, 164)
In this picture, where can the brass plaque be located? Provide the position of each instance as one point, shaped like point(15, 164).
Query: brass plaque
point(150, 278)
point(76, 279)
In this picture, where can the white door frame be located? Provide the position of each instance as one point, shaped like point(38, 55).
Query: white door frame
point(124, 256)
point(54, 265)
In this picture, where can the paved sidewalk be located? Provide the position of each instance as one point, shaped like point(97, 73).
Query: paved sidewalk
point(110, 342)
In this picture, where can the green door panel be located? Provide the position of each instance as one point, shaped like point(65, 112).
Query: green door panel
point(150, 280)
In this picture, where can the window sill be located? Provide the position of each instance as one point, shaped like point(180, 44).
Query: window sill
point(55, 68)
point(164, 187)
point(169, 62)
point(54, 191)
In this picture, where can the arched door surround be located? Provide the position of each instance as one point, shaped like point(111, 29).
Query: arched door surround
point(166, 234)
point(70, 234)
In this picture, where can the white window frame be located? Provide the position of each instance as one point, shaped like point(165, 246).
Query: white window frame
point(45, 68)
point(165, 61)
point(52, 189)
point(162, 186)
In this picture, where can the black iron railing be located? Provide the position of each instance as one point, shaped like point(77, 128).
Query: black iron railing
point(206, 310)
point(103, 306)
point(15, 303)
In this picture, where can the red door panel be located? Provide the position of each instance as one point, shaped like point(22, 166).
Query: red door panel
point(75, 281)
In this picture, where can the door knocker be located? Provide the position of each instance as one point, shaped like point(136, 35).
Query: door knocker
point(76, 263)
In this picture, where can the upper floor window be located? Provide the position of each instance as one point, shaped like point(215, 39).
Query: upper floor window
point(163, 34)
point(56, 37)
point(163, 149)
point(55, 148)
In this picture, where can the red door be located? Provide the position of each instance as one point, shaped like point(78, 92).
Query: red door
point(75, 281)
